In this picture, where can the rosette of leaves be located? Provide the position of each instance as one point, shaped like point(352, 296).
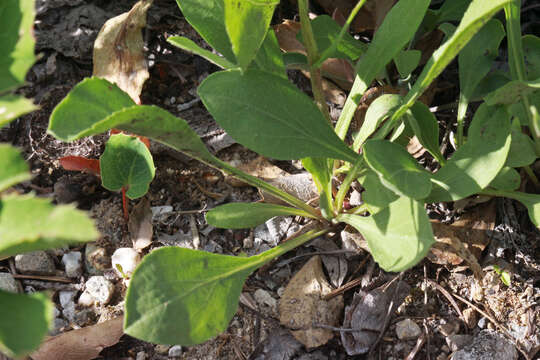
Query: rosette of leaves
point(27, 223)
point(184, 296)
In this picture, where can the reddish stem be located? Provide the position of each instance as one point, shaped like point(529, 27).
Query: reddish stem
point(125, 203)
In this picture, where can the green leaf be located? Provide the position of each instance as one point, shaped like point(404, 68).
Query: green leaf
point(29, 224)
point(16, 41)
point(190, 46)
point(321, 172)
point(452, 10)
point(378, 111)
point(512, 92)
point(269, 57)
point(326, 32)
point(25, 322)
point(127, 163)
point(289, 126)
point(183, 296)
point(13, 106)
point(426, 129)
point(89, 102)
point(247, 23)
point(489, 83)
point(477, 56)
point(531, 56)
point(507, 179)
point(475, 164)
point(398, 236)
point(14, 169)
point(208, 18)
point(376, 196)
point(247, 215)
point(397, 169)
point(522, 151)
point(531, 202)
point(406, 16)
point(505, 275)
point(406, 61)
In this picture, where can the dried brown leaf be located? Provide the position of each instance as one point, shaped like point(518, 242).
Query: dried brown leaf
point(140, 225)
point(370, 17)
point(81, 344)
point(302, 306)
point(119, 50)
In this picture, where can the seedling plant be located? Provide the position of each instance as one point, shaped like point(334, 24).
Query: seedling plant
point(183, 296)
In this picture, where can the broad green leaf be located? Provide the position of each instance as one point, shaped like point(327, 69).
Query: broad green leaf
point(507, 179)
point(522, 151)
point(127, 163)
point(247, 23)
point(376, 196)
point(406, 16)
point(489, 83)
point(190, 46)
point(321, 172)
point(326, 32)
point(378, 111)
point(208, 18)
point(406, 61)
point(183, 296)
point(295, 60)
point(269, 57)
point(25, 322)
point(475, 164)
point(247, 215)
point(13, 106)
point(512, 92)
point(426, 129)
point(452, 10)
point(267, 114)
point(13, 168)
point(531, 56)
point(398, 236)
point(397, 169)
point(89, 102)
point(16, 41)
point(29, 224)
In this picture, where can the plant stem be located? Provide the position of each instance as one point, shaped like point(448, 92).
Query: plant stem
point(315, 76)
point(461, 113)
point(345, 186)
point(125, 204)
point(517, 64)
point(359, 209)
point(530, 173)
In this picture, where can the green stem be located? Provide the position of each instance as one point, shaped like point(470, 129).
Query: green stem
point(461, 113)
point(326, 53)
point(345, 186)
point(315, 76)
point(347, 113)
point(517, 64)
point(530, 173)
point(359, 209)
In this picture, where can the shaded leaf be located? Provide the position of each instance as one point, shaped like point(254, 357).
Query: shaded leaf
point(406, 61)
point(247, 23)
point(452, 10)
point(522, 150)
point(13, 106)
point(288, 127)
point(79, 163)
point(475, 164)
point(531, 202)
point(531, 56)
point(127, 162)
point(397, 169)
point(512, 92)
point(398, 236)
point(426, 129)
point(321, 172)
point(507, 179)
point(29, 224)
point(25, 321)
point(269, 57)
point(247, 215)
point(119, 54)
point(376, 195)
point(190, 46)
point(14, 169)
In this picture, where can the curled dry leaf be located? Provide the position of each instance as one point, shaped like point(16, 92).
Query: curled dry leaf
point(259, 167)
point(81, 344)
point(119, 51)
point(368, 313)
point(140, 225)
point(370, 16)
point(302, 306)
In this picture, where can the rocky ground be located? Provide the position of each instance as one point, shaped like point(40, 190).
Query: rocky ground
point(433, 311)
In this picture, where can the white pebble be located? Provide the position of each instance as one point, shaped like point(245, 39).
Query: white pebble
point(100, 289)
point(72, 263)
point(175, 351)
point(125, 260)
point(66, 297)
point(8, 283)
point(86, 299)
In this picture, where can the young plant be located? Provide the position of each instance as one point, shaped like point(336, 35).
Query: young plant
point(27, 223)
point(183, 296)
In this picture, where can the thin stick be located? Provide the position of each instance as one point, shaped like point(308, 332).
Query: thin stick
point(419, 343)
point(449, 297)
point(44, 278)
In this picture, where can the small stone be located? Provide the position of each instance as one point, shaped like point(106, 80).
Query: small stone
point(125, 260)
point(141, 355)
point(72, 263)
point(441, 357)
point(84, 317)
point(162, 349)
point(96, 259)
point(36, 262)
point(100, 289)
point(449, 328)
point(407, 330)
point(470, 317)
point(58, 325)
point(8, 283)
point(66, 297)
point(86, 299)
point(457, 342)
point(265, 300)
point(487, 345)
point(175, 351)
point(69, 311)
point(482, 322)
